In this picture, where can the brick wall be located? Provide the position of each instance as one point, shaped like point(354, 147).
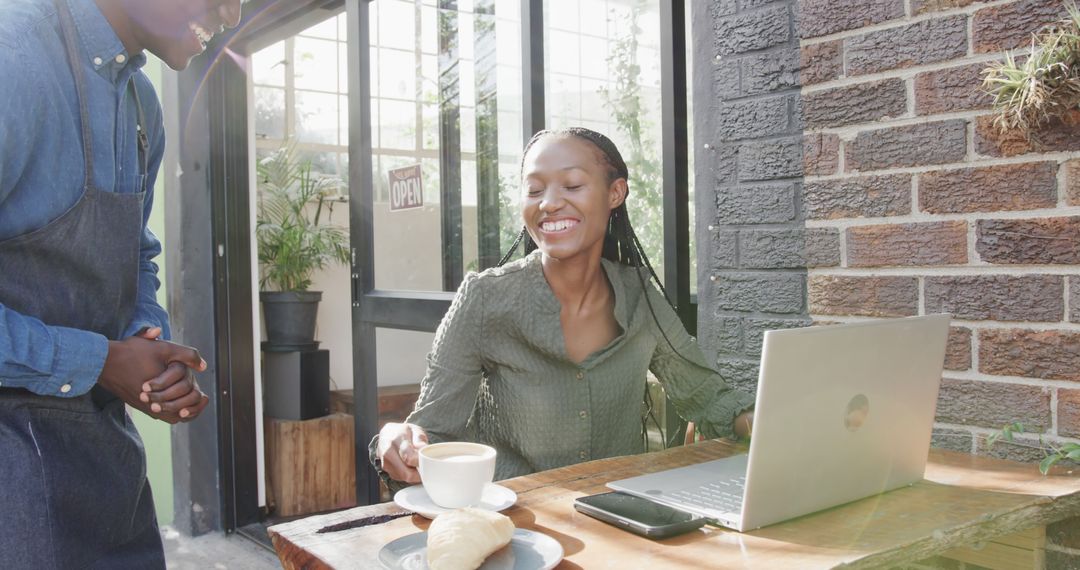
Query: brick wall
point(850, 157)
point(754, 246)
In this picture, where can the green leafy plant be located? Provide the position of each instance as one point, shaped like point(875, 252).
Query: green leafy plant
point(1053, 451)
point(1045, 85)
point(293, 241)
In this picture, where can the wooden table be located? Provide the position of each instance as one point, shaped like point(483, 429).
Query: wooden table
point(964, 500)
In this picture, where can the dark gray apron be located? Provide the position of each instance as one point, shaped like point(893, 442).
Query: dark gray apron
point(73, 488)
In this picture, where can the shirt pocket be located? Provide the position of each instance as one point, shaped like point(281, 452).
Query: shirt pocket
point(131, 183)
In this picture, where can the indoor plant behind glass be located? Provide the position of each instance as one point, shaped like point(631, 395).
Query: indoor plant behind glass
point(293, 242)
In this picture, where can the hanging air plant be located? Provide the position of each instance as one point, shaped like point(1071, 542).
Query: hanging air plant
point(1045, 85)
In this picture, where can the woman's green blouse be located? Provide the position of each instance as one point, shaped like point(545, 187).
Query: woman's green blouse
point(498, 373)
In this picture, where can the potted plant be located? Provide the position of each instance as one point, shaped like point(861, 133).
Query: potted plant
point(293, 242)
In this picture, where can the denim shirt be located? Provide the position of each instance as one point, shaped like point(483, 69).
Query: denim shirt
point(41, 172)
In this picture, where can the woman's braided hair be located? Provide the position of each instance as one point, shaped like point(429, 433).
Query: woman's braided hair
point(621, 244)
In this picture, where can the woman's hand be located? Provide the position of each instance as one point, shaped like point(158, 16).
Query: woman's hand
point(744, 423)
point(399, 450)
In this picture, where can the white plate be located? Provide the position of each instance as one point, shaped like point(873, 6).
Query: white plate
point(528, 550)
point(415, 499)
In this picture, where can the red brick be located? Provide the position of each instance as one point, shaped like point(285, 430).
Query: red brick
point(952, 89)
point(923, 144)
point(1023, 449)
point(930, 243)
point(864, 296)
point(1010, 25)
point(958, 349)
point(821, 154)
point(1068, 411)
point(928, 41)
point(821, 62)
point(1007, 187)
point(1038, 241)
point(956, 440)
point(862, 196)
point(1039, 298)
point(924, 6)
point(993, 404)
point(1049, 355)
point(824, 17)
point(1072, 182)
point(1074, 299)
point(1061, 134)
point(859, 103)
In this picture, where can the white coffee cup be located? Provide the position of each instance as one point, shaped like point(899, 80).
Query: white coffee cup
point(454, 473)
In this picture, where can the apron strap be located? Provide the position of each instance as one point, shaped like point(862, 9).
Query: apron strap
point(67, 26)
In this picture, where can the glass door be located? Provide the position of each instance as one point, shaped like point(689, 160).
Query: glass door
point(435, 131)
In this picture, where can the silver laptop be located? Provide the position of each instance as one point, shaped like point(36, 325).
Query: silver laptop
point(843, 412)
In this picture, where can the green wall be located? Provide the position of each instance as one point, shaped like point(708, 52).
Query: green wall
point(155, 434)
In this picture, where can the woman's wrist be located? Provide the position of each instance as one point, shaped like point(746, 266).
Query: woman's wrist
point(744, 424)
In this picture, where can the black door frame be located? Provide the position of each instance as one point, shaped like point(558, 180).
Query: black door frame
point(213, 155)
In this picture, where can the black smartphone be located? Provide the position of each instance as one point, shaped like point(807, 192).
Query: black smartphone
point(640, 516)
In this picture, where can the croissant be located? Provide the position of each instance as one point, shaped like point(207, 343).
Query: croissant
point(464, 538)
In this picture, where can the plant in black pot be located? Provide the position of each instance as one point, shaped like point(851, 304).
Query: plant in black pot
point(293, 242)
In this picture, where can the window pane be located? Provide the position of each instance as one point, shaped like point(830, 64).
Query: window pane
point(316, 64)
point(690, 152)
point(400, 355)
point(326, 29)
point(398, 124)
point(316, 117)
point(397, 74)
point(407, 108)
point(408, 242)
point(397, 24)
point(269, 113)
point(268, 66)
point(605, 75)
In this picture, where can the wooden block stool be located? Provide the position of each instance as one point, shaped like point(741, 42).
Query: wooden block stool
point(310, 464)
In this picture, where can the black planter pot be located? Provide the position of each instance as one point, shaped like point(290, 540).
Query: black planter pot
point(290, 318)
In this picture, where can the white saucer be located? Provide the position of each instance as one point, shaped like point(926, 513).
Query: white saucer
point(528, 550)
point(415, 499)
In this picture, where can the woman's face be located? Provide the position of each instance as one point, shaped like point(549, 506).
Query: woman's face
point(566, 196)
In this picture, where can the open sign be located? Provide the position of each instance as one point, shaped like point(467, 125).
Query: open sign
point(406, 190)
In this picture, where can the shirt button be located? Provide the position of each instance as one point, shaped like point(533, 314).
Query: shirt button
point(580, 375)
point(121, 58)
point(65, 388)
point(583, 413)
point(98, 61)
point(583, 455)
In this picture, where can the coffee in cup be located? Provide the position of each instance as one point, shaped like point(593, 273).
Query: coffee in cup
point(454, 473)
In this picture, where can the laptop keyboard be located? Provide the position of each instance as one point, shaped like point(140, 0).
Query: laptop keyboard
point(724, 496)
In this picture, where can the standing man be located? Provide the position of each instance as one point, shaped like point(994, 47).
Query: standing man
point(81, 333)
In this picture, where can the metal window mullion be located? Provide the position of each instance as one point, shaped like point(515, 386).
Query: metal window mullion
point(290, 90)
point(362, 236)
point(676, 202)
point(487, 134)
point(418, 47)
point(450, 144)
point(532, 67)
point(675, 158)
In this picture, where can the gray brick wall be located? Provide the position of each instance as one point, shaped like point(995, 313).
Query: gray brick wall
point(749, 153)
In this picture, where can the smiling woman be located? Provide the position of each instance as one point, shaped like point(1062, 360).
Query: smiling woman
point(545, 358)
